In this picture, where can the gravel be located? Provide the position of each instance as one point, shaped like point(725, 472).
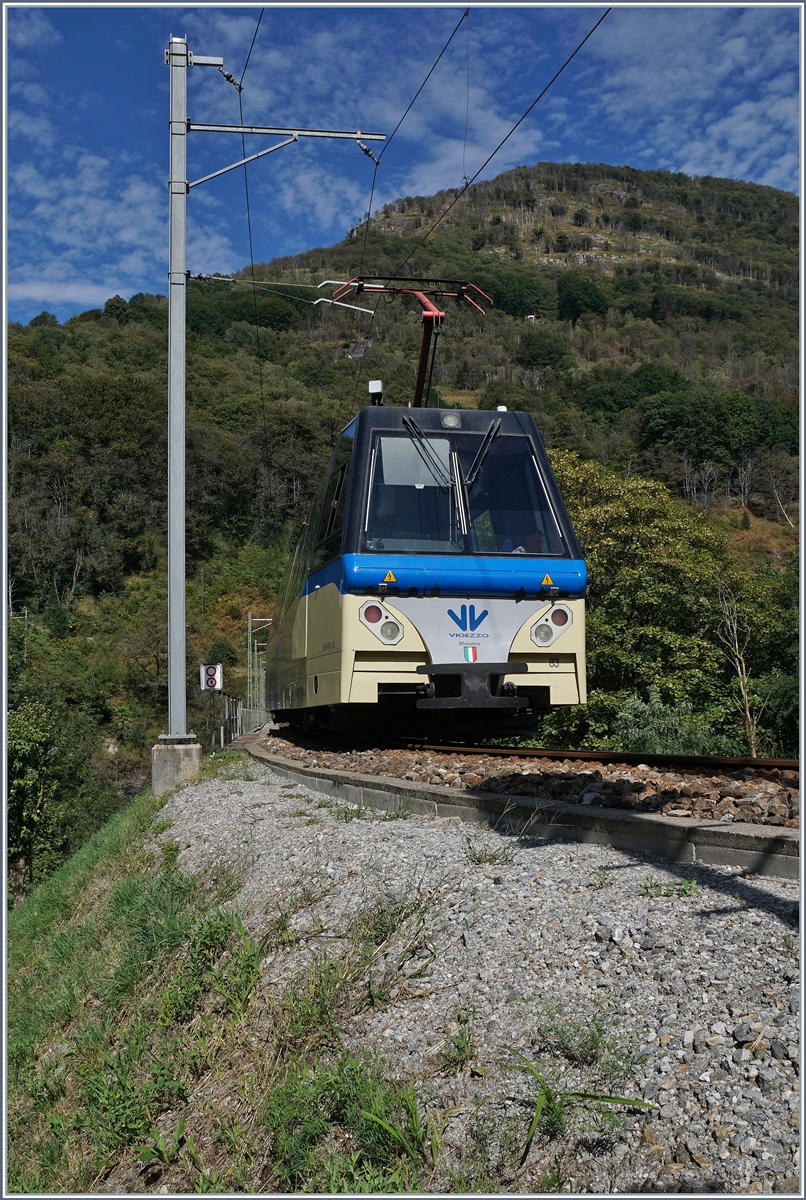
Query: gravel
point(752, 795)
point(701, 985)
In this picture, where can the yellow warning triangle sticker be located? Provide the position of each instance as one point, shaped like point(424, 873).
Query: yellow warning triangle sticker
point(389, 578)
point(548, 581)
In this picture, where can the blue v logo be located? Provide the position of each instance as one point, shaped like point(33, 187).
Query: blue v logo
point(462, 619)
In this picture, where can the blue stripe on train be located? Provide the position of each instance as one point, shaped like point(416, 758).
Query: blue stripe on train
point(460, 576)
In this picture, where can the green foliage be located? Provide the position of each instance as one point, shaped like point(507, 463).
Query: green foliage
point(44, 318)
point(116, 308)
point(578, 294)
point(542, 348)
point(459, 1048)
point(54, 801)
point(554, 1104)
point(222, 651)
point(706, 423)
point(657, 728)
point(654, 888)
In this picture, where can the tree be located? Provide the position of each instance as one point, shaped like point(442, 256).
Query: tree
point(578, 294)
point(542, 348)
point(735, 637)
point(116, 307)
point(44, 318)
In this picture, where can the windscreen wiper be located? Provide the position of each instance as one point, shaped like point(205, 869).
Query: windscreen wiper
point(427, 454)
point(484, 450)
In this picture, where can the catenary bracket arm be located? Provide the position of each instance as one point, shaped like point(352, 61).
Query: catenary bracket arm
point(241, 162)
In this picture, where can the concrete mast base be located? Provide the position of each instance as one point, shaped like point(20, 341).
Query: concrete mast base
point(173, 764)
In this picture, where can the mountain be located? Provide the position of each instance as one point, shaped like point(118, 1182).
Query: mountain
point(649, 321)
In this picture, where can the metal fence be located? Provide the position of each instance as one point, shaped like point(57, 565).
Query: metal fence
point(254, 714)
point(229, 719)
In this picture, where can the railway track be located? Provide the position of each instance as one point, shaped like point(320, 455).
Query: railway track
point(699, 764)
point(702, 764)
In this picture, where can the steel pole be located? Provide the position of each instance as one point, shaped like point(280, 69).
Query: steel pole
point(177, 253)
point(249, 703)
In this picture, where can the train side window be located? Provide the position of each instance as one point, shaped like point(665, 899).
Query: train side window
point(331, 523)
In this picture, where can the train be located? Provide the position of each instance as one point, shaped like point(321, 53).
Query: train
point(438, 586)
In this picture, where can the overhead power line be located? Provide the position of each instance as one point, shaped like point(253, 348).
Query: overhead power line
point(486, 163)
point(503, 141)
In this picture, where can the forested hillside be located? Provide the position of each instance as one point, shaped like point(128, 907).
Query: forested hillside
point(648, 320)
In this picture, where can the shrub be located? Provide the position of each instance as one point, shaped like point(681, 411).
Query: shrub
point(577, 294)
point(222, 651)
point(542, 348)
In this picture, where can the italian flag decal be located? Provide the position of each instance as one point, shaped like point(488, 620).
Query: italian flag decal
point(471, 653)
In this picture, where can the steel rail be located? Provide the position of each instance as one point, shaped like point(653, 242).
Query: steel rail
point(334, 743)
point(689, 762)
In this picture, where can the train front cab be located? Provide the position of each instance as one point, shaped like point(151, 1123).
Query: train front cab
point(438, 547)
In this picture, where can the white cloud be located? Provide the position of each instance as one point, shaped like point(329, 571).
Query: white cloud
point(92, 295)
point(700, 89)
point(709, 90)
point(30, 29)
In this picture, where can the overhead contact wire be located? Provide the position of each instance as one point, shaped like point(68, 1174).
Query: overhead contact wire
point(249, 230)
point(503, 141)
point(251, 48)
point(387, 143)
point(486, 162)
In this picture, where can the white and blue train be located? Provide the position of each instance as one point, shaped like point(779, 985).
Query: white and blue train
point(438, 583)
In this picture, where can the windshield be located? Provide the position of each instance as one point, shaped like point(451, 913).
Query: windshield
point(462, 493)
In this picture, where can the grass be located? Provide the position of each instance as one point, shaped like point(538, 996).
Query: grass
point(459, 1048)
point(152, 1046)
point(601, 878)
point(555, 1105)
point(586, 1041)
point(479, 850)
point(654, 888)
point(790, 947)
point(132, 989)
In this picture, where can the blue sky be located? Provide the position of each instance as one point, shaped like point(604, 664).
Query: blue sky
point(706, 90)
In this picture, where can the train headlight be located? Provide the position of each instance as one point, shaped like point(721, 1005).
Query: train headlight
point(387, 627)
point(552, 625)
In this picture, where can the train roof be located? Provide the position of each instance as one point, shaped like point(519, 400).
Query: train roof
point(470, 420)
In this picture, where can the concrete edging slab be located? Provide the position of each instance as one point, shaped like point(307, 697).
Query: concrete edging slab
point(751, 847)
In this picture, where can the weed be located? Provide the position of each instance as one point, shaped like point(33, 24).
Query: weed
point(344, 812)
point(159, 1150)
point(460, 1047)
point(236, 977)
point(208, 940)
point(170, 853)
point(478, 850)
point(687, 887)
point(653, 888)
point(225, 764)
point(119, 1100)
point(554, 1104)
point(160, 827)
point(382, 916)
point(789, 946)
point(580, 1041)
point(46, 1086)
point(225, 879)
point(382, 1123)
point(600, 878)
point(553, 1179)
